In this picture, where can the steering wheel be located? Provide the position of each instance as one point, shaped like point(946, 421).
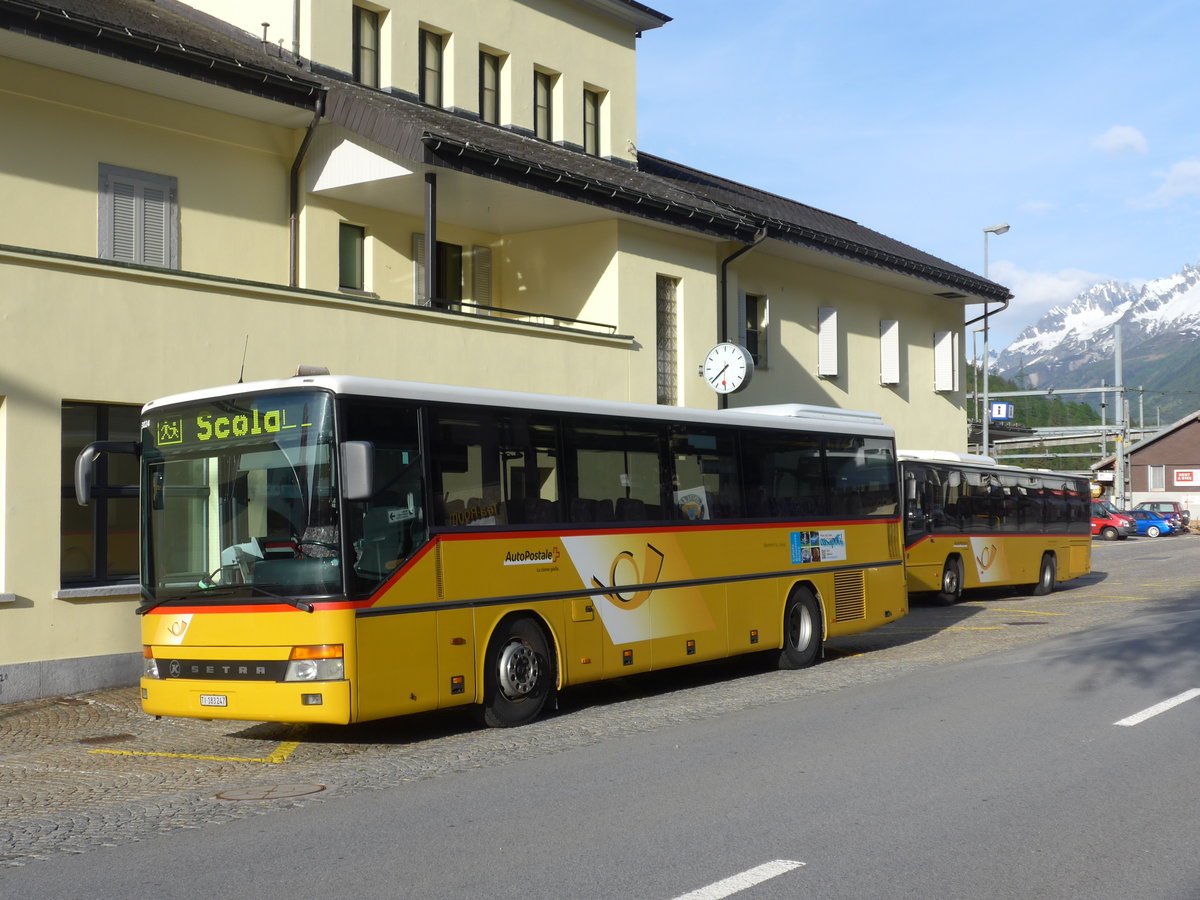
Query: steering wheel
point(333, 549)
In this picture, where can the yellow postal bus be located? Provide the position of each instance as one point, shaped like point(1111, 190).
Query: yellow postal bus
point(970, 522)
point(340, 549)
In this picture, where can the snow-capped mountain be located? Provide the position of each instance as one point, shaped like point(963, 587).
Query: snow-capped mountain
point(1074, 346)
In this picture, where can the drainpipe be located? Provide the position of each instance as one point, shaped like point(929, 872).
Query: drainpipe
point(723, 324)
point(294, 195)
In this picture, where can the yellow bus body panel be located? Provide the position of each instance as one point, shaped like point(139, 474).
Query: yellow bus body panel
point(612, 603)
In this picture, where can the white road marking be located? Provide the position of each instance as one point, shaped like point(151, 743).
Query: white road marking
point(743, 880)
point(1151, 711)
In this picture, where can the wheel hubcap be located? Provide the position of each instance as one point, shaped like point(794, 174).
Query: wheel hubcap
point(800, 627)
point(519, 670)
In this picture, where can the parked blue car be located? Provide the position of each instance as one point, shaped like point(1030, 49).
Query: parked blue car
point(1150, 523)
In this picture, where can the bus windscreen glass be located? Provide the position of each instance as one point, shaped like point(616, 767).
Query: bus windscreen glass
point(240, 494)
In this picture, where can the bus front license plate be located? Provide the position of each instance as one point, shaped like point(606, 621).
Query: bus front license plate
point(214, 700)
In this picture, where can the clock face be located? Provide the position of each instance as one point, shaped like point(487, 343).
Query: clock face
point(727, 368)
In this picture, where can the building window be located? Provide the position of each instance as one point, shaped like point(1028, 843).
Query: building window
point(1158, 477)
point(351, 241)
point(139, 217)
point(431, 67)
point(448, 277)
point(591, 122)
point(753, 319)
point(889, 351)
point(489, 87)
point(543, 96)
point(99, 542)
point(366, 47)
point(827, 342)
point(666, 331)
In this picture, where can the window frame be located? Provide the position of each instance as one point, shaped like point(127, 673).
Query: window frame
point(431, 76)
point(363, 73)
point(489, 65)
point(592, 102)
point(358, 235)
point(128, 216)
point(102, 492)
point(543, 112)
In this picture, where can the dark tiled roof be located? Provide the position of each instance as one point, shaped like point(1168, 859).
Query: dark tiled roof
point(170, 35)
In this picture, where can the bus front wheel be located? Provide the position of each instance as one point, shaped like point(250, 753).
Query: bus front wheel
point(1047, 577)
point(518, 676)
point(952, 582)
point(801, 630)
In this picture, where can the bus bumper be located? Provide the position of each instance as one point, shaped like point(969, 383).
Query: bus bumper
point(312, 701)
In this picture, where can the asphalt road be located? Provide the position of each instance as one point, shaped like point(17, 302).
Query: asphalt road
point(970, 751)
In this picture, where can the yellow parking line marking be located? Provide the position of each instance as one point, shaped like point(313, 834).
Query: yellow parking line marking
point(280, 755)
point(1024, 612)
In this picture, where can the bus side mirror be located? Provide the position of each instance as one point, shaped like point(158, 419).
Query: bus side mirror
point(85, 465)
point(358, 470)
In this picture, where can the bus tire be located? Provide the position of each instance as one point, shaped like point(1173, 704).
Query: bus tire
point(952, 582)
point(519, 674)
point(802, 624)
point(1047, 576)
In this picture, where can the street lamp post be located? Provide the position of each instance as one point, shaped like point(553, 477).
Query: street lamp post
point(987, 407)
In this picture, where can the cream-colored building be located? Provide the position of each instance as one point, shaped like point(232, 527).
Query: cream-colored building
point(434, 190)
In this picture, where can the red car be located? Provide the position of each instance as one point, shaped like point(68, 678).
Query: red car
point(1110, 523)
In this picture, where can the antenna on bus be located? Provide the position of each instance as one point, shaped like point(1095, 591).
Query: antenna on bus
point(244, 349)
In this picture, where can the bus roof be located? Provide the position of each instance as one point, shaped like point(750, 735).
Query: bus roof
point(975, 461)
point(796, 416)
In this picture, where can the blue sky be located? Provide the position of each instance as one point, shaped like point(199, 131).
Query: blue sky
point(929, 120)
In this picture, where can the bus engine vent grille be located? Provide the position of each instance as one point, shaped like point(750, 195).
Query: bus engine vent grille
point(849, 596)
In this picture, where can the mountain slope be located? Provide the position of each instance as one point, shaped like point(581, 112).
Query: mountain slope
point(1074, 345)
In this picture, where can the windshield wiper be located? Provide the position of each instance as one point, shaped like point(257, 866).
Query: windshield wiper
point(302, 605)
point(152, 602)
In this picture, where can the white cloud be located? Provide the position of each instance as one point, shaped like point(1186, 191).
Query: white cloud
point(1121, 139)
point(1179, 181)
point(1034, 293)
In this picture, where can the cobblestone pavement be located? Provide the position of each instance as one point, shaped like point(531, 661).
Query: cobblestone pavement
point(83, 772)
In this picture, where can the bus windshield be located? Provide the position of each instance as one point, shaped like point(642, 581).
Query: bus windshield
point(241, 499)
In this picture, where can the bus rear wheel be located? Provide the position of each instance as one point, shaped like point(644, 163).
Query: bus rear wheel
point(802, 639)
point(1047, 577)
point(518, 676)
point(952, 582)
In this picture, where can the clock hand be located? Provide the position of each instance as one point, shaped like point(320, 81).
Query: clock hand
point(713, 380)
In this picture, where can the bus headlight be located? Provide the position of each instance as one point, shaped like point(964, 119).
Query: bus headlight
point(149, 663)
point(323, 662)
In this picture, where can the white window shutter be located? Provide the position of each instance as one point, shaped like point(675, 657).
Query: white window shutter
point(889, 351)
point(827, 342)
point(418, 251)
point(154, 227)
point(956, 359)
point(124, 221)
point(943, 361)
point(481, 276)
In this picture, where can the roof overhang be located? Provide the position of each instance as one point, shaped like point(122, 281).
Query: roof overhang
point(55, 39)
